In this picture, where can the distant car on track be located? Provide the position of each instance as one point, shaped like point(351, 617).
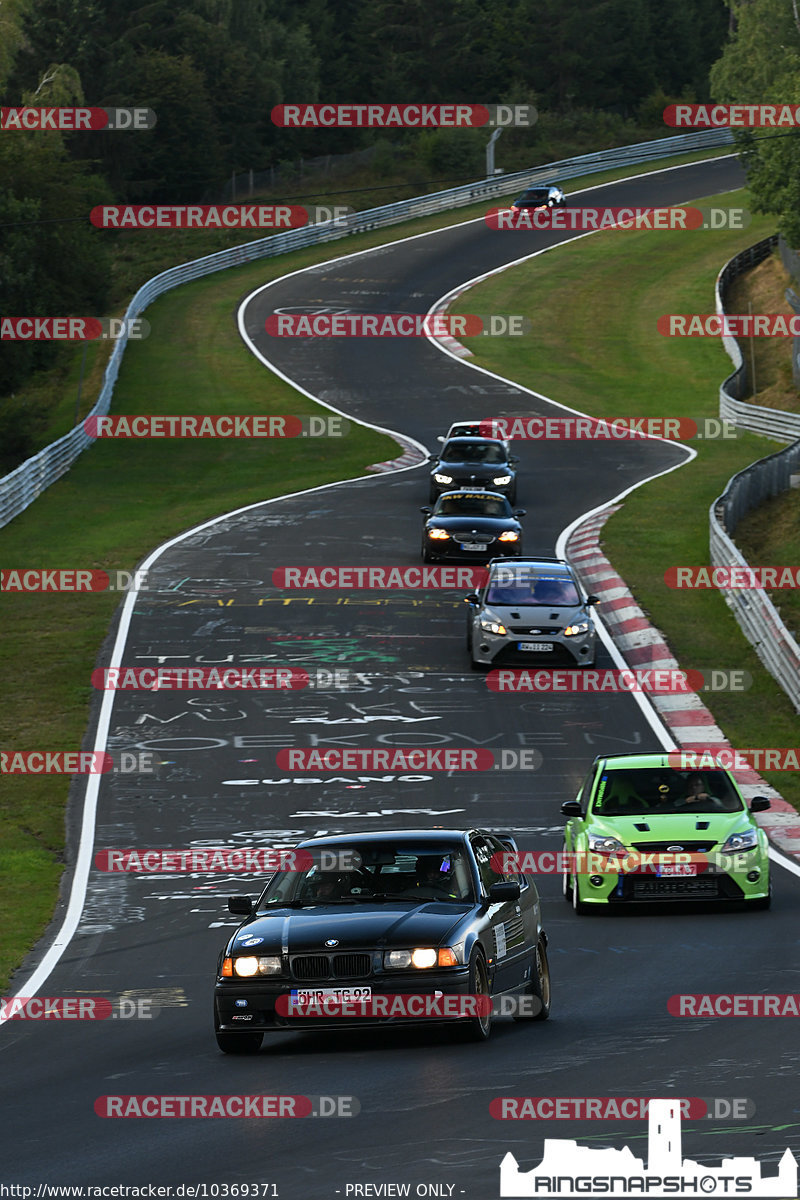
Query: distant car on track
point(424, 913)
point(469, 429)
point(530, 612)
point(540, 197)
point(637, 804)
point(473, 463)
point(471, 525)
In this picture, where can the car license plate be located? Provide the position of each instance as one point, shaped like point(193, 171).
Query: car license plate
point(677, 869)
point(473, 545)
point(317, 995)
point(534, 645)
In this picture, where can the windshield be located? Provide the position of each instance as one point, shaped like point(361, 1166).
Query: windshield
point(662, 791)
point(408, 872)
point(535, 196)
point(522, 588)
point(477, 452)
point(472, 506)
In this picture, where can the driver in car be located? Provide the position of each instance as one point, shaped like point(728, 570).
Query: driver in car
point(435, 875)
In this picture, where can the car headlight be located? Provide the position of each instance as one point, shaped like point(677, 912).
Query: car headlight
point(421, 958)
point(574, 630)
point(247, 965)
point(442, 478)
point(605, 845)
point(745, 839)
point(438, 535)
point(492, 626)
point(501, 480)
point(509, 536)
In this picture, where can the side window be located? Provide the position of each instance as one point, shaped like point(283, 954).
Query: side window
point(586, 789)
point(483, 850)
point(509, 876)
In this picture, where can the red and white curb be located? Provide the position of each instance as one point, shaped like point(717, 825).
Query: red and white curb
point(642, 645)
point(411, 456)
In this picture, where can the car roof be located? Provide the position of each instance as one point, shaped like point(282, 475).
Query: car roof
point(657, 759)
point(434, 836)
point(474, 438)
point(474, 492)
point(551, 564)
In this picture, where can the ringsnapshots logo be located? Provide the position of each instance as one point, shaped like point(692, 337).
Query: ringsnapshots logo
point(216, 426)
point(77, 120)
point(567, 1169)
point(404, 116)
point(72, 329)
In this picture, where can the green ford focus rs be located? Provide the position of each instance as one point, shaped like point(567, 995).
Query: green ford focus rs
point(642, 830)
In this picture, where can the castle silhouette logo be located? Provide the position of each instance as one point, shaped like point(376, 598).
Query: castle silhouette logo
point(568, 1169)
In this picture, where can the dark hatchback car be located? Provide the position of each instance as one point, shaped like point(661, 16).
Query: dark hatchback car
point(423, 914)
point(473, 463)
point(540, 197)
point(471, 525)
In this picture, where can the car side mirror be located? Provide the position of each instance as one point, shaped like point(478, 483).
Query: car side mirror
point(440, 438)
point(427, 510)
point(240, 906)
point(513, 460)
point(760, 804)
point(472, 598)
point(592, 600)
point(502, 892)
point(520, 512)
point(433, 458)
point(571, 808)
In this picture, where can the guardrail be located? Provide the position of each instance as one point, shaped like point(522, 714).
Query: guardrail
point(23, 485)
point(755, 613)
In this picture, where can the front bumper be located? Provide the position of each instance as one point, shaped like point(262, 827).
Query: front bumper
point(451, 549)
point(501, 650)
point(634, 887)
point(260, 1014)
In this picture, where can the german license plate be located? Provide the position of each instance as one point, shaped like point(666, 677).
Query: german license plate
point(677, 869)
point(473, 545)
point(534, 645)
point(318, 995)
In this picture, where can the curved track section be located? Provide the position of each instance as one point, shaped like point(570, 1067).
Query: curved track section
point(424, 1099)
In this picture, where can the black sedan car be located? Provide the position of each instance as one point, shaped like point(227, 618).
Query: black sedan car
point(473, 463)
point(471, 525)
point(540, 197)
point(424, 917)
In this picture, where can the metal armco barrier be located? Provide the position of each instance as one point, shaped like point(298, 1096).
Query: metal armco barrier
point(756, 614)
point(22, 486)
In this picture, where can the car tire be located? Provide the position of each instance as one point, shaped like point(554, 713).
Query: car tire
point(566, 885)
point(237, 1043)
point(762, 903)
point(478, 1029)
point(577, 903)
point(540, 984)
point(473, 662)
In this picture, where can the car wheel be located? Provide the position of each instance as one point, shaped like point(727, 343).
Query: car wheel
point(476, 666)
point(566, 885)
point(237, 1043)
point(478, 1029)
point(763, 902)
point(540, 985)
point(577, 903)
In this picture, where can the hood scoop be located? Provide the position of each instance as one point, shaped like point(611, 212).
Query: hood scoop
point(702, 824)
point(642, 826)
